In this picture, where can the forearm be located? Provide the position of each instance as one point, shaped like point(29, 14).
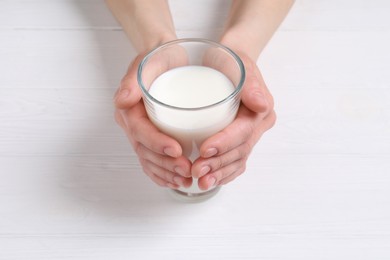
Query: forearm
point(146, 23)
point(251, 24)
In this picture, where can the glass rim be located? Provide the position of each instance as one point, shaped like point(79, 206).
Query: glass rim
point(236, 91)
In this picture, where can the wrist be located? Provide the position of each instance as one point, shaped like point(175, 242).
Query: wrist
point(240, 41)
point(150, 42)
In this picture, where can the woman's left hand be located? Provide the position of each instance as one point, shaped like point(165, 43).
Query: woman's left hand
point(223, 156)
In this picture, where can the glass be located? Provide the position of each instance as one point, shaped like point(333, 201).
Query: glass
point(192, 125)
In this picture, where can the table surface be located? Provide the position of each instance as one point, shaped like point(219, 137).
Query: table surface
point(317, 186)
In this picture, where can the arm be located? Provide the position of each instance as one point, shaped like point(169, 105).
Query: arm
point(146, 23)
point(251, 24)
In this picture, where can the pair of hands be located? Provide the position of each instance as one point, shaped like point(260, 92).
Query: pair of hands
point(223, 156)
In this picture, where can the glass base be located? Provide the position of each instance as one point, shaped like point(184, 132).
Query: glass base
point(194, 197)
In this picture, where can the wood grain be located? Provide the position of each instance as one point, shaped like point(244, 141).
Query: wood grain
point(317, 186)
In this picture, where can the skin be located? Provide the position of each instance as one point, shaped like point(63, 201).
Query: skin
point(223, 156)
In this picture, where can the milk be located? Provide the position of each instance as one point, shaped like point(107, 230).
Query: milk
point(192, 87)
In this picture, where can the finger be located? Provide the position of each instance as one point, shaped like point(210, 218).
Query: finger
point(231, 162)
point(212, 179)
point(203, 166)
point(165, 175)
point(231, 177)
point(255, 94)
point(153, 177)
point(267, 123)
point(180, 165)
point(140, 129)
point(129, 93)
point(160, 182)
point(235, 134)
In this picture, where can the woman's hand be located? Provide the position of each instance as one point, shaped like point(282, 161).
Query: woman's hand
point(160, 155)
point(223, 156)
point(249, 26)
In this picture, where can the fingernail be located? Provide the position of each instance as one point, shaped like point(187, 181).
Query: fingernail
point(170, 152)
point(178, 180)
point(210, 152)
point(204, 170)
point(211, 181)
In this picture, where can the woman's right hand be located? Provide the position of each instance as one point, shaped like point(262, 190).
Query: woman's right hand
point(160, 155)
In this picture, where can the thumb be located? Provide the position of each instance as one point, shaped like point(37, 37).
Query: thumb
point(254, 94)
point(128, 93)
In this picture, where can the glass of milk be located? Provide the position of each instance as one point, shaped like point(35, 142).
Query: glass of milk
point(191, 90)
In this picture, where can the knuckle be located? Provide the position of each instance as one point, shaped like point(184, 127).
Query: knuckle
point(145, 165)
point(273, 118)
point(118, 118)
point(244, 150)
point(270, 120)
point(218, 175)
point(116, 100)
point(161, 161)
point(271, 102)
point(139, 150)
point(242, 169)
point(222, 144)
point(247, 129)
point(133, 131)
point(217, 163)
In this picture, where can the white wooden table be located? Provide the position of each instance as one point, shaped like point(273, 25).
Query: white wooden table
point(317, 186)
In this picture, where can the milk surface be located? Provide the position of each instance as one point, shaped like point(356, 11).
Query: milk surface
point(192, 87)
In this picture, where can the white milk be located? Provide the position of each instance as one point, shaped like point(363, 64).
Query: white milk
point(192, 87)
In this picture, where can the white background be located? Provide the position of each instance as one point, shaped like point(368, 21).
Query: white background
point(317, 186)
